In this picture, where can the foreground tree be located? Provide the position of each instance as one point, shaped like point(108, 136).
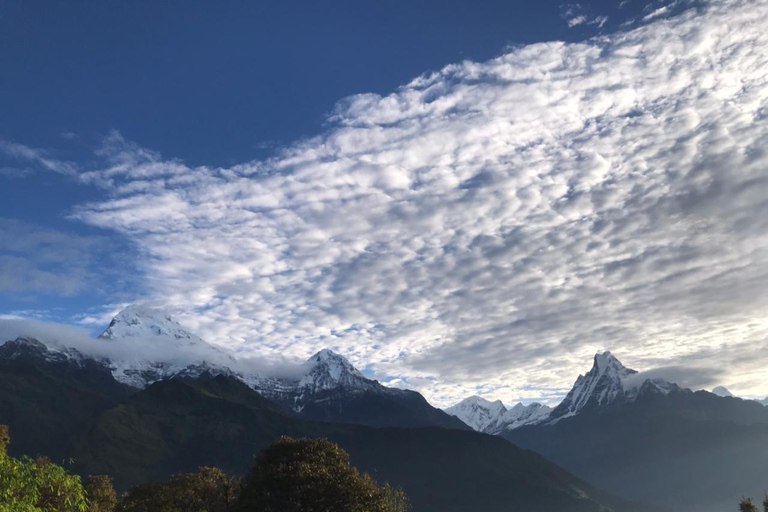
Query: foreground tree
point(208, 490)
point(747, 505)
point(313, 475)
point(100, 493)
point(38, 485)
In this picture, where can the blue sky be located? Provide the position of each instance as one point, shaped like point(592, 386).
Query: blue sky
point(414, 183)
point(219, 86)
point(215, 86)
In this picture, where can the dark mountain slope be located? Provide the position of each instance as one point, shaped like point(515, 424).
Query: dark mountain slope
point(376, 408)
point(46, 397)
point(689, 451)
point(178, 425)
point(443, 469)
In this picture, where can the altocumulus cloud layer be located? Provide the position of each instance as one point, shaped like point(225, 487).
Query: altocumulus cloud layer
point(488, 227)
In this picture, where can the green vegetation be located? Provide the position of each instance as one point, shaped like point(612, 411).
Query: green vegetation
point(208, 490)
point(101, 494)
point(38, 485)
point(293, 475)
point(313, 475)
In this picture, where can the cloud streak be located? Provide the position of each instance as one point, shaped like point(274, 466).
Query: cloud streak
point(37, 158)
point(486, 228)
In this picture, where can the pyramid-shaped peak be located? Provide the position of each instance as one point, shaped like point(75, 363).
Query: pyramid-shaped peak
point(327, 369)
point(606, 362)
point(335, 363)
point(599, 387)
point(329, 355)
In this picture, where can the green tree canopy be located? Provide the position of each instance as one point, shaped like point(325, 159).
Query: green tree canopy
point(38, 485)
point(101, 494)
point(208, 490)
point(313, 475)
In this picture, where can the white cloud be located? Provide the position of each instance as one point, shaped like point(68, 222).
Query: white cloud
point(575, 15)
point(685, 376)
point(35, 157)
point(488, 227)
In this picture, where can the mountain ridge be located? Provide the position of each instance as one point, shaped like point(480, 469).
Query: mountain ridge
point(494, 417)
point(652, 440)
point(66, 407)
point(327, 386)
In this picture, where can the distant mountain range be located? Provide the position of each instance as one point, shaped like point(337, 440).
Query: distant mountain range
point(325, 388)
point(61, 403)
point(644, 439)
point(608, 383)
point(493, 417)
point(149, 398)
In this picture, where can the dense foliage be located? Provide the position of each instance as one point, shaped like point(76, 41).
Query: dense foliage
point(36, 485)
point(293, 475)
point(208, 490)
point(101, 494)
point(313, 475)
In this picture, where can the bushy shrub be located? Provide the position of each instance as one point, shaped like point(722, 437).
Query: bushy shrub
point(313, 475)
point(36, 485)
point(208, 490)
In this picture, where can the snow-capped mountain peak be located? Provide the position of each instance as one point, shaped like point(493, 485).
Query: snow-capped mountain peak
point(142, 322)
point(329, 370)
point(600, 386)
point(493, 417)
point(521, 414)
point(722, 391)
point(478, 412)
point(607, 364)
point(156, 347)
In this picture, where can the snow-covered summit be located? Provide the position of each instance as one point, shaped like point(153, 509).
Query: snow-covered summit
point(722, 391)
point(600, 386)
point(609, 382)
point(478, 412)
point(142, 322)
point(494, 417)
point(329, 370)
point(520, 415)
point(149, 345)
